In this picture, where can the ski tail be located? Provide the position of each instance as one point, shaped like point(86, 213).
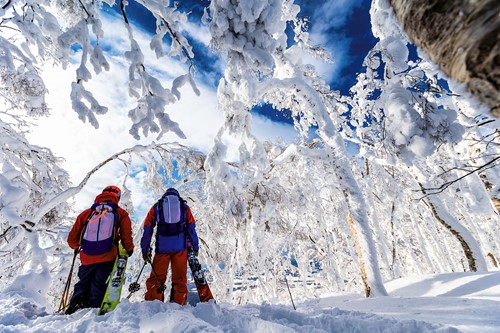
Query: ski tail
point(204, 292)
point(200, 281)
point(115, 283)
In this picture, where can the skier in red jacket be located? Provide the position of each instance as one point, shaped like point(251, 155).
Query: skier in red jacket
point(96, 234)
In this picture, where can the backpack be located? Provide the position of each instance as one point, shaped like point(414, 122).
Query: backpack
point(170, 213)
point(98, 234)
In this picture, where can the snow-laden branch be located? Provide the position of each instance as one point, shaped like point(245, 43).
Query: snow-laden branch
point(254, 40)
point(151, 95)
point(72, 191)
point(77, 29)
point(435, 190)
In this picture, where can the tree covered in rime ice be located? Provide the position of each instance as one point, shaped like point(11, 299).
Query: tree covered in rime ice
point(417, 196)
point(30, 176)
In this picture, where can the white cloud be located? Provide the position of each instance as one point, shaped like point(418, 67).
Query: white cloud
point(84, 147)
point(268, 130)
point(199, 32)
point(328, 19)
point(328, 71)
point(333, 14)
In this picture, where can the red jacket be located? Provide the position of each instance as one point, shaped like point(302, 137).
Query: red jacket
point(124, 232)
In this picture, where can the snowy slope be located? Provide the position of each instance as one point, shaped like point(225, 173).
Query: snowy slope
point(456, 302)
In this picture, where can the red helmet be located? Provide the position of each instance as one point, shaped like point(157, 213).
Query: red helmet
point(113, 189)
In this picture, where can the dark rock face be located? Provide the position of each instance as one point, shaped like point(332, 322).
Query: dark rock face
point(462, 36)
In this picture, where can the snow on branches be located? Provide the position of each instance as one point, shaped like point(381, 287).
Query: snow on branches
point(59, 31)
point(323, 217)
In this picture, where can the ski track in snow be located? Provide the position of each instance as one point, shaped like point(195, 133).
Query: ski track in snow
point(455, 302)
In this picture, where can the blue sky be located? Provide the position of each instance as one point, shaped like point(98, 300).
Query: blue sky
point(345, 30)
point(343, 27)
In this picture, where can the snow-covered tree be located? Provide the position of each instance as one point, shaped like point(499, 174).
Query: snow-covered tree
point(49, 31)
point(418, 197)
point(30, 176)
point(414, 124)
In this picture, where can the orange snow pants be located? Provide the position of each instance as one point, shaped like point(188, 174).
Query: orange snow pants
point(160, 264)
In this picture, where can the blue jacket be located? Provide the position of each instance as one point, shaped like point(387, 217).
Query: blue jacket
point(168, 244)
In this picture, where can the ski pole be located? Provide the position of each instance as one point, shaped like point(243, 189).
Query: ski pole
point(64, 299)
point(135, 286)
point(161, 287)
point(286, 280)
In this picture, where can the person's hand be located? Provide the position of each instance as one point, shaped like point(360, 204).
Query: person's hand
point(129, 253)
point(147, 256)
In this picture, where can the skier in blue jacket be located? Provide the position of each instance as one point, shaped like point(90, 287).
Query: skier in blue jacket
point(175, 229)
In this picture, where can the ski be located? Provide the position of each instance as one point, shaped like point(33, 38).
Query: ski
point(115, 283)
point(199, 278)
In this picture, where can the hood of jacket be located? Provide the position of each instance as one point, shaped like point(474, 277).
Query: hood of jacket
point(107, 197)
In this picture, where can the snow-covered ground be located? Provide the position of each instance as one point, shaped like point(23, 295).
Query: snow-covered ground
point(455, 302)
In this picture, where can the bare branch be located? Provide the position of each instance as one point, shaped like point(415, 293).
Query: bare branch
point(85, 9)
point(486, 122)
point(6, 4)
point(174, 36)
point(444, 186)
point(5, 232)
point(122, 8)
point(6, 26)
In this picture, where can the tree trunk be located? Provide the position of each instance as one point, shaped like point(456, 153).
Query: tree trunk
point(362, 267)
point(458, 232)
point(462, 37)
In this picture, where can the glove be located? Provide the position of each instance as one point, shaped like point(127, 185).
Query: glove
point(147, 256)
point(129, 253)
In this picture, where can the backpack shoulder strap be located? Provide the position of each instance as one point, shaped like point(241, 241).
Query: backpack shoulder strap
point(159, 211)
point(114, 210)
point(183, 211)
point(91, 212)
point(113, 205)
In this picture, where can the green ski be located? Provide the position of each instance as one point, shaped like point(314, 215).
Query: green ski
point(115, 283)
